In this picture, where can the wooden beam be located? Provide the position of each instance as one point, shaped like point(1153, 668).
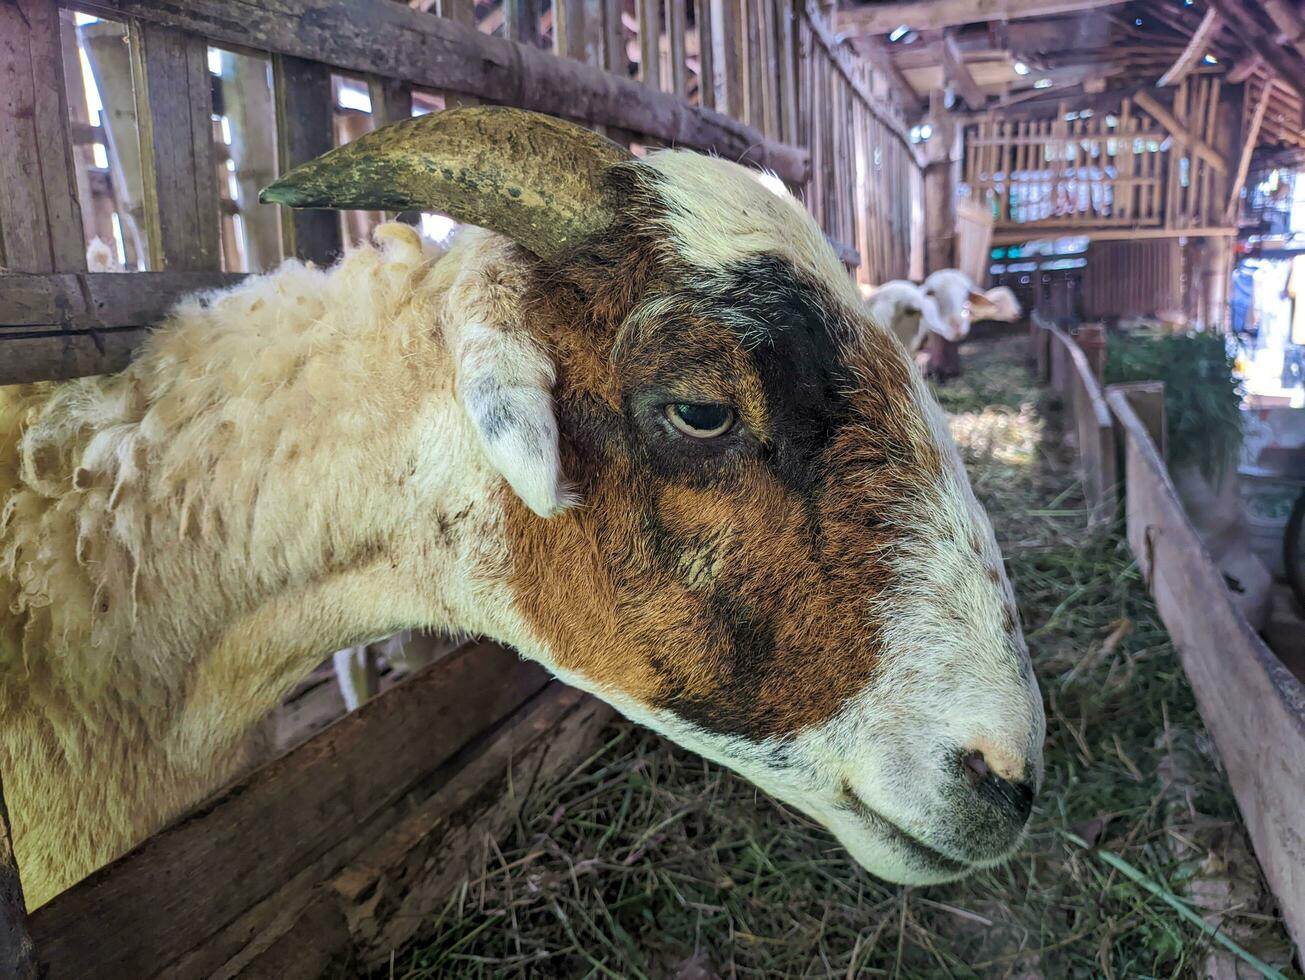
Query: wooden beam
point(883, 18)
point(1228, 665)
point(1289, 22)
point(826, 39)
point(1288, 67)
point(1179, 132)
point(17, 951)
point(174, 107)
point(1197, 45)
point(1018, 234)
point(875, 52)
point(1248, 149)
point(435, 52)
point(1244, 69)
point(71, 325)
point(956, 72)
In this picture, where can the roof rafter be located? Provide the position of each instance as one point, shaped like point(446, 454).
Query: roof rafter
point(1197, 45)
point(883, 18)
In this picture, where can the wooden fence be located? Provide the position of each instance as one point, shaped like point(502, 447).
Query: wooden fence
point(764, 83)
point(1064, 365)
point(1253, 706)
point(1142, 170)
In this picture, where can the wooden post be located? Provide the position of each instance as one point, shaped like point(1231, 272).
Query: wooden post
point(249, 106)
point(1092, 339)
point(650, 32)
point(105, 44)
point(40, 217)
point(174, 109)
point(17, 951)
point(1147, 399)
point(304, 131)
point(942, 174)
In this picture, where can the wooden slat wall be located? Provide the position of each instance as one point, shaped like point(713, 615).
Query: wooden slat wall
point(866, 188)
point(786, 97)
point(1114, 171)
point(1132, 278)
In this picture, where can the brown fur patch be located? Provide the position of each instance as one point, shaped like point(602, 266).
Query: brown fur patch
point(733, 587)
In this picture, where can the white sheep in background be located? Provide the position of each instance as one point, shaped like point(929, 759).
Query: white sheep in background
point(906, 311)
point(960, 302)
point(643, 430)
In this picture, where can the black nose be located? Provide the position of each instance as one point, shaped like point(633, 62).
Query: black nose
point(1013, 798)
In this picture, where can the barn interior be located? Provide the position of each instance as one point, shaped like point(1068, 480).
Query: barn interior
point(1124, 168)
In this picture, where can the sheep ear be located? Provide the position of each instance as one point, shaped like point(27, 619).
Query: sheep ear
point(505, 384)
point(538, 180)
point(998, 303)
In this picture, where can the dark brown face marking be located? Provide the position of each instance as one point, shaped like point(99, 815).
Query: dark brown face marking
point(727, 581)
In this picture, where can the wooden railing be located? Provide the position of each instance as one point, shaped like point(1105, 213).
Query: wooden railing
point(1138, 170)
point(763, 83)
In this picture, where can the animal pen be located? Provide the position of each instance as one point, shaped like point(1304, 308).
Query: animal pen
point(341, 844)
point(912, 156)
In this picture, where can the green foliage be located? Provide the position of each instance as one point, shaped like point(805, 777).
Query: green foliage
point(1201, 393)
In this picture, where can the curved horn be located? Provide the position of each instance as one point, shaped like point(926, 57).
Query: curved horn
point(528, 176)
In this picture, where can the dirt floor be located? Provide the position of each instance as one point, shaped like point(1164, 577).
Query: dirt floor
point(647, 861)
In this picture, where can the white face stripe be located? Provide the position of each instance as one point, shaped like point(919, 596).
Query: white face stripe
point(720, 213)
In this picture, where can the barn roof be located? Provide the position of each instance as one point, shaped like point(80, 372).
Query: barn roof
point(1033, 56)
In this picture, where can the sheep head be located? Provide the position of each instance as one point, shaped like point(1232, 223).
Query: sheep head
point(734, 511)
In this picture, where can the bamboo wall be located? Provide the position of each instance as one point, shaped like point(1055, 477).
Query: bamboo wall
point(1143, 168)
point(202, 106)
point(1133, 279)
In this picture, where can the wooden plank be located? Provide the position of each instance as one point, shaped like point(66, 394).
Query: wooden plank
point(706, 58)
point(788, 71)
point(1286, 65)
point(882, 18)
point(433, 52)
point(1197, 45)
point(568, 29)
point(305, 129)
point(1252, 705)
point(650, 33)
point(447, 832)
point(1249, 142)
point(17, 951)
point(956, 71)
point(75, 324)
point(753, 65)
point(175, 889)
point(459, 11)
point(676, 28)
point(250, 108)
point(615, 57)
point(174, 108)
point(40, 217)
point(109, 57)
point(385, 882)
point(824, 38)
point(1094, 432)
point(729, 39)
point(522, 21)
point(1019, 233)
point(875, 52)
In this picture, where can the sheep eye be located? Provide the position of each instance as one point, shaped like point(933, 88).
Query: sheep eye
point(912, 311)
point(700, 421)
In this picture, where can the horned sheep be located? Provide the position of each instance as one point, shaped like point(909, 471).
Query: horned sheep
point(642, 430)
